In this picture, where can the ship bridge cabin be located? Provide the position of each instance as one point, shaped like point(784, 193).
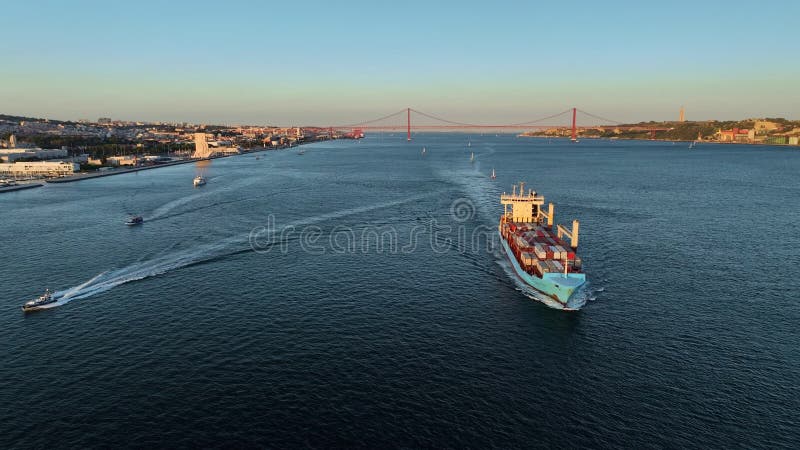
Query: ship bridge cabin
point(526, 207)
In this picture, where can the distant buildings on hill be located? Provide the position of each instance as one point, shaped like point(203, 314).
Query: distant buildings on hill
point(762, 132)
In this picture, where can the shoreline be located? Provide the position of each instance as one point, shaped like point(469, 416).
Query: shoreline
point(108, 173)
point(662, 140)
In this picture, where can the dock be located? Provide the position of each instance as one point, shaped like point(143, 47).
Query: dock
point(19, 187)
point(108, 173)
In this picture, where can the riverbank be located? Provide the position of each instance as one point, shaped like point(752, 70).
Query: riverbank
point(658, 140)
point(108, 173)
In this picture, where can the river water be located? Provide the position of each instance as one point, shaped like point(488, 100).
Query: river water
point(349, 297)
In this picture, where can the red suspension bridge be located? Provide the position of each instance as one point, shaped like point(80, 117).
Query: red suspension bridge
point(402, 120)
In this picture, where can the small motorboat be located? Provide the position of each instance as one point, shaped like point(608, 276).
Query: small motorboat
point(39, 303)
point(199, 181)
point(134, 220)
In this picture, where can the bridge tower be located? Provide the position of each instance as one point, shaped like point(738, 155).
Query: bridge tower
point(408, 123)
point(574, 127)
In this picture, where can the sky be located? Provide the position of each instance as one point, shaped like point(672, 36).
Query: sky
point(326, 63)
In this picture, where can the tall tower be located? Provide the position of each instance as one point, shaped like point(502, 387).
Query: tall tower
point(682, 116)
point(200, 146)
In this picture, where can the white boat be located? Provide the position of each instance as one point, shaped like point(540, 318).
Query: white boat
point(199, 181)
point(472, 157)
point(493, 176)
point(423, 151)
point(39, 303)
point(134, 220)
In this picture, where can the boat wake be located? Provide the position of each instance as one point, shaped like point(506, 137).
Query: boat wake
point(196, 255)
point(163, 211)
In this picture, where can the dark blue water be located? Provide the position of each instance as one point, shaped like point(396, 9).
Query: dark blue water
point(177, 333)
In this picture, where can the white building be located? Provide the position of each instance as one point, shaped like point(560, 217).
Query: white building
point(127, 160)
point(13, 154)
point(39, 168)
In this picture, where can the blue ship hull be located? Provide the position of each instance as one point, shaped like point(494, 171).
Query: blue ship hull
point(554, 285)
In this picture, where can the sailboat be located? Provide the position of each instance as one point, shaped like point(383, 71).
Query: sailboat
point(423, 151)
point(472, 157)
point(469, 143)
point(691, 144)
point(493, 176)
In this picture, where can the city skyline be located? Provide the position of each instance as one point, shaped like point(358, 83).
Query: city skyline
point(317, 64)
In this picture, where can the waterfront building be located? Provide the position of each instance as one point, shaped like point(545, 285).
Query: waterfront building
point(126, 160)
point(736, 135)
point(38, 168)
point(13, 154)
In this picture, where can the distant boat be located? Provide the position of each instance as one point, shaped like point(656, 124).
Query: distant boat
point(301, 152)
point(493, 176)
point(423, 151)
point(691, 144)
point(39, 303)
point(199, 181)
point(134, 220)
point(469, 143)
point(472, 157)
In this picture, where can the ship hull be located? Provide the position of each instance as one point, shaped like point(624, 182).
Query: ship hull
point(554, 285)
point(39, 307)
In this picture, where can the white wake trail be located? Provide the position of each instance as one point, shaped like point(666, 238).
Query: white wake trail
point(162, 264)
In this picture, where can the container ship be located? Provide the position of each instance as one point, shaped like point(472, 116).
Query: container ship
point(537, 249)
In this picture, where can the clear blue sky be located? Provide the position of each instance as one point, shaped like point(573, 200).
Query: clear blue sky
point(338, 62)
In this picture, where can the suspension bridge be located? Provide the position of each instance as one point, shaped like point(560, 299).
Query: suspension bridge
point(410, 120)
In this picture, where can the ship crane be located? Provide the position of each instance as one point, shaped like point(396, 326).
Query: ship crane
point(571, 234)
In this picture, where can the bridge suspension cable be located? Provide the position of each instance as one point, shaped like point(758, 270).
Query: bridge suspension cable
point(452, 124)
point(531, 122)
point(600, 118)
point(367, 122)
point(431, 116)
